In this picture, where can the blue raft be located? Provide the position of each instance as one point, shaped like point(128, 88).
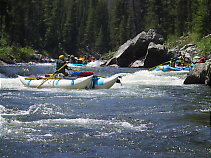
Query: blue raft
point(71, 64)
point(166, 68)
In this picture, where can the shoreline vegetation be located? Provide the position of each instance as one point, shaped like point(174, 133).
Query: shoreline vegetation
point(203, 44)
point(17, 54)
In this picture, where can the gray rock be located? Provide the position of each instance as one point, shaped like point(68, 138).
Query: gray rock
point(136, 49)
point(199, 74)
point(129, 51)
point(208, 76)
point(8, 61)
point(2, 63)
point(36, 57)
point(137, 63)
point(156, 54)
point(39, 58)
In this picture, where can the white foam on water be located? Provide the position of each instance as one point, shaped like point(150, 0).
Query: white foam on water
point(12, 121)
point(2, 121)
point(92, 124)
point(44, 109)
point(10, 125)
point(33, 110)
point(96, 63)
point(10, 83)
point(145, 77)
point(45, 64)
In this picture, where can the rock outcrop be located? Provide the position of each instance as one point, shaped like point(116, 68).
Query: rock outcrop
point(7, 60)
point(2, 63)
point(199, 74)
point(189, 50)
point(156, 54)
point(31, 59)
point(39, 58)
point(145, 50)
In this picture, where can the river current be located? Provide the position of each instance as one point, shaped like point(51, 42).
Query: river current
point(152, 114)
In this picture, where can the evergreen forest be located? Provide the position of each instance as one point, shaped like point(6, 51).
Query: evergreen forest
point(96, 27)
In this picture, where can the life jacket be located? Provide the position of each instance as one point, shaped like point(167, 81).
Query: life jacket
point(87, 73)
point(59, 64)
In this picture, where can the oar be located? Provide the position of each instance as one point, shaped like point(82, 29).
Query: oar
point(100, 76)
point(52, 75)
point(159, 65)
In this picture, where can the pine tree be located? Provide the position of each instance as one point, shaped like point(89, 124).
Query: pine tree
point(70, 28)
point(120, 11)
point(203, 18)
point(155, 13)
point(100, 43)
point(16, 21)
point(97, 26)
point(89, 38)
point(82, 18)
point(3, 14)
point(123, 31)
point(102, 29)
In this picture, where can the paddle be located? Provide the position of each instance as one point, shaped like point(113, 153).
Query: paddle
point(52, 75)
point(100, 76)
point(159, 65)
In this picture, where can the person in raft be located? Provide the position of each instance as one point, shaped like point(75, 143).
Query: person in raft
point(172, 62)
point(202, 60)
point(59, 63)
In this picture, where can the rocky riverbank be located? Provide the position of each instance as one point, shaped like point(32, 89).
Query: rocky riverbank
point(145, 50)
point(200, 74)
point(148, 50)
point(32, 58)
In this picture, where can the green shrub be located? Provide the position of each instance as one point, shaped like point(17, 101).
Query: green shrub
point(108, 55)
point(22, 53)
point(5, 51)
point(173, 40)
point(205, 46)
point(3, 42)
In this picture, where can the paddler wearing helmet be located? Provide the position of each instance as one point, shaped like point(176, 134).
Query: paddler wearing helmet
point(202, 60)
point(59, 63)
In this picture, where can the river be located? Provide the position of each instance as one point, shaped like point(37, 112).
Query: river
point(152, 114)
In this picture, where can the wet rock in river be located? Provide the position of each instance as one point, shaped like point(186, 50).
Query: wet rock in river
point(199, 74)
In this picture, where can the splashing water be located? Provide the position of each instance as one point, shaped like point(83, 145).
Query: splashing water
point(151, 114)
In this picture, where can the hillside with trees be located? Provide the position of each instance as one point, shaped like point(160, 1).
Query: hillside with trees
point(94, 27)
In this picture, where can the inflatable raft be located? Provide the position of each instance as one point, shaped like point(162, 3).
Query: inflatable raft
point(103, 83)
point(69, 83)
point(72, 65)
point(88, 82)
point(166, 68)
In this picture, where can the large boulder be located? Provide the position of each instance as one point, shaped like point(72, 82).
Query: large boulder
point(199, 74)
point(137, 49)
point(39, 58)
point(129, 50)
point(156, 54)
point(36, 57)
